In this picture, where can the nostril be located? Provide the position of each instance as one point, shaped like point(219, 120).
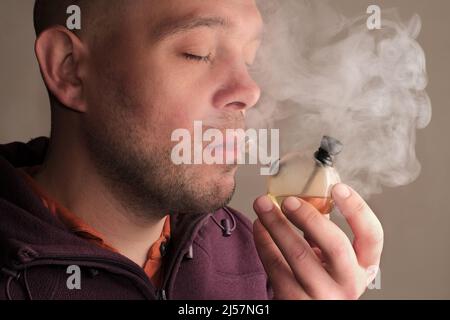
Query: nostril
point(237, 105)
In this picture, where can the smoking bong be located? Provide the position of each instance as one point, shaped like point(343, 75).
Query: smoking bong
point(309, 178)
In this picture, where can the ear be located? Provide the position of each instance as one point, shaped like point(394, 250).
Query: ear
point(60, 54)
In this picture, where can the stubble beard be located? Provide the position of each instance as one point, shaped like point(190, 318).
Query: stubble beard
point(141, 174)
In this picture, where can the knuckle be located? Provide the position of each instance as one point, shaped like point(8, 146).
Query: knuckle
point(308, 218)
point(380, 233)
point(356, 208)
point(275, 263)
point(339, 251)
point(264, 242)
point(375, 235)
point(276, 223)
point(300, 254)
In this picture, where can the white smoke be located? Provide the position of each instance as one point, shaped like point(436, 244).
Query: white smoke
point(324, 74)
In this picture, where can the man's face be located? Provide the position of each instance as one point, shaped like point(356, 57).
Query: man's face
point(159, 67)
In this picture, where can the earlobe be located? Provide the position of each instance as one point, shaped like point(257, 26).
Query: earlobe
point(59, 53)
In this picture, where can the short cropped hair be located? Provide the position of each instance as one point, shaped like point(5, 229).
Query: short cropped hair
point(48, 13)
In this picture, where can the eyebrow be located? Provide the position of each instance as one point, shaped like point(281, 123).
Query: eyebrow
point(172, 27)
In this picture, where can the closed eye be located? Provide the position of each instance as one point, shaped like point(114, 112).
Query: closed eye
point(194, 57)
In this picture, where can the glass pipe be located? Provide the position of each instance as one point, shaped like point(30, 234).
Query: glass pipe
point(310, 178)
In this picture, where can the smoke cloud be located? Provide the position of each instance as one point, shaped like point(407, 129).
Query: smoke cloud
point(322, 73)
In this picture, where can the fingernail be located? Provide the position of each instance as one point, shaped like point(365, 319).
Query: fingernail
point(342, 191)
point(264, 204)
point(291, 204)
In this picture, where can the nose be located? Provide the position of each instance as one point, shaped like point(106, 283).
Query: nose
point(239, 92)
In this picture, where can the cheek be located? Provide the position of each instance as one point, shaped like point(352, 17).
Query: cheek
point(161, 96)
point(176, 107)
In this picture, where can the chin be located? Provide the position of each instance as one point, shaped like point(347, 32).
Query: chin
point(225, 175)
point(222, 180)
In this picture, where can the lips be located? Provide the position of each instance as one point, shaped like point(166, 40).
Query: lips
point(232, 149)
point(228, 148)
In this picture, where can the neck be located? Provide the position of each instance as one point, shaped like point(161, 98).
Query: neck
point(69, 177)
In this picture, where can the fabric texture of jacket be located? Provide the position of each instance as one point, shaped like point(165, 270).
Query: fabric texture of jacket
point(36, 249)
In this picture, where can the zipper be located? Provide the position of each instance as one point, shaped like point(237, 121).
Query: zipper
point(163, 293)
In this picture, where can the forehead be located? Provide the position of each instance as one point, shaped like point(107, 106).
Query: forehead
point(238, 15)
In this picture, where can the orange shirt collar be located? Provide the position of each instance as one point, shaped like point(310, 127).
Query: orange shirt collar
point(79, 227)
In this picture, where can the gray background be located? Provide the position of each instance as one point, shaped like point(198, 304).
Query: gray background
point(416, 219)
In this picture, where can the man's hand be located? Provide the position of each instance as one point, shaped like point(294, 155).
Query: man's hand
point(327, 266)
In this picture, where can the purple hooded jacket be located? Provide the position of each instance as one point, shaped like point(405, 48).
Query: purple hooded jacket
point(36, 250)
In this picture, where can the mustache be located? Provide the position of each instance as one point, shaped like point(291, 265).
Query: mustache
point(226, 120)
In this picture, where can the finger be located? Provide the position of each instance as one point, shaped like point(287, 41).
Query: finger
point(319, 255)
point(367, 229)
point(282, 279)
point(332, 241)
point(298, 254)
point(310, 241)
point(316, 249)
